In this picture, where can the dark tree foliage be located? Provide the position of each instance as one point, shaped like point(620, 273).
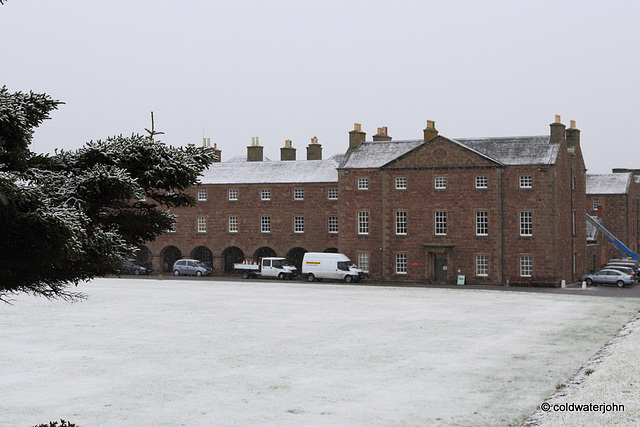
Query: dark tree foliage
point(79, 214)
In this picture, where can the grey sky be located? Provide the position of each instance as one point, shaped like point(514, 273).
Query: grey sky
point(297, 69)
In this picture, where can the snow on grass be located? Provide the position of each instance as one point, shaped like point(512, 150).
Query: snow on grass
point(145, 352)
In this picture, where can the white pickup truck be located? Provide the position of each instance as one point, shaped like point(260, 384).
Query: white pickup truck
point(267, 267)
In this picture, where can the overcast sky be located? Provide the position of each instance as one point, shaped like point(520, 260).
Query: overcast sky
point(233, 70)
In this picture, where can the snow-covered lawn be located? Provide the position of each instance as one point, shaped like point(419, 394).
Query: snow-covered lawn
point(144, 352)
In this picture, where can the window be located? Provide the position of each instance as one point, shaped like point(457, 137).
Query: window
point(526, 223)
point(363, 183)
point(441, 222)
point(482, 182)
point(202, 195)
point(596, 204)
point(401, 183)
point(265, 224)
point(401, 263)
point(202, 224)
point(482, 223)
point(332, 222)
point(401, 222)
point(298, 224)
point(526, 181)
point(298, 194)
point(363, 261)
point(265, 194)
point(441, 182)
point(363, 222)
point(332, 194)
point(233, 194)
point(482, 265)
point(233, 224)
point(173, 226)
point(526, 265)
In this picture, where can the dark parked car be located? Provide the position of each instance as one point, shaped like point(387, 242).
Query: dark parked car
point(609, 277)
point(131, 266)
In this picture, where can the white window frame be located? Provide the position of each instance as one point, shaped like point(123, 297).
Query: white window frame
point(526, 265)
point(401, 223)
point(332, 194)
point(332, 224)
point(265, 224)
point(401, 183)
point(265, 194)
point(482, 182)
point(440, 223)
point(526, 223)
point(233, 224)
point(298, 224)
point(596, 204)
point(173, 226)
point(401, 263)
point(363, 261)
point(482, 223)
point(526, 181)
point(440, 182)
point(233, 194)
point(363, 222)
point(363, 184)
point(202, 195)
point(298, 194)
point(201, 224)
point(482, 265)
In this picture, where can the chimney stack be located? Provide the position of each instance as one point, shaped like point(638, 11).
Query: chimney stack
point(314, 150)
point(573, 133)
point(287, 152)
point(382, 135)
point(356, 136)
point(255, 150)
point(558, 133)
point(206, 142)
point(430, 131)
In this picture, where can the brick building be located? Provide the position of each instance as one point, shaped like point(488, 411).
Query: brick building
point(613, 199)
point(423, 210)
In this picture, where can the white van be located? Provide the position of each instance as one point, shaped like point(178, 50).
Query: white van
point(324, 265)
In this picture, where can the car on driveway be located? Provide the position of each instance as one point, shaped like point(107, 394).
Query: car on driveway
point(608, 276)
point(191, 267)
point(131, 266)
point(627, 270)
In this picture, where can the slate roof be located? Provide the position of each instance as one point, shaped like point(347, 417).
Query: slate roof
point(609, 183)
point(523, 150)
point(236, 171)
point(518, 150)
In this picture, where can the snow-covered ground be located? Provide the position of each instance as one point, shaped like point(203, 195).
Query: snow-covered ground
point(144, 352)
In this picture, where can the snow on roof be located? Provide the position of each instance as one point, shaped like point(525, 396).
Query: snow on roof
point(515, 150)
point(236, 171)
point(609, 183)
point(375, 154)
point(521, 150)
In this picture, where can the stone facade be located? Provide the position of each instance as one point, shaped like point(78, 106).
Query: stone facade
point(495, 210)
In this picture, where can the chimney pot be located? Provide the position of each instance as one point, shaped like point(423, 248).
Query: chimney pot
point(357, 127)
point(572, 124)
point(558, 118)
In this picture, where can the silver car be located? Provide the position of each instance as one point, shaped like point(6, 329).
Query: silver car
point(609, 277)
point(191, 267)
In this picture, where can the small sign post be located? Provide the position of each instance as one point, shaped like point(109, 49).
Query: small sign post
point(461, 279)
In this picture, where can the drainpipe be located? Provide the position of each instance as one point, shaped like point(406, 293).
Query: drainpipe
point(574, 225)
point(502, 280)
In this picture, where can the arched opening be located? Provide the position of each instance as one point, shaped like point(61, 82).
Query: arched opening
point(331, 250)
point(203, 254)
point(264, 252)
point(232, 255)
point(144, 256)
point(170, 254)
point(295, 256)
